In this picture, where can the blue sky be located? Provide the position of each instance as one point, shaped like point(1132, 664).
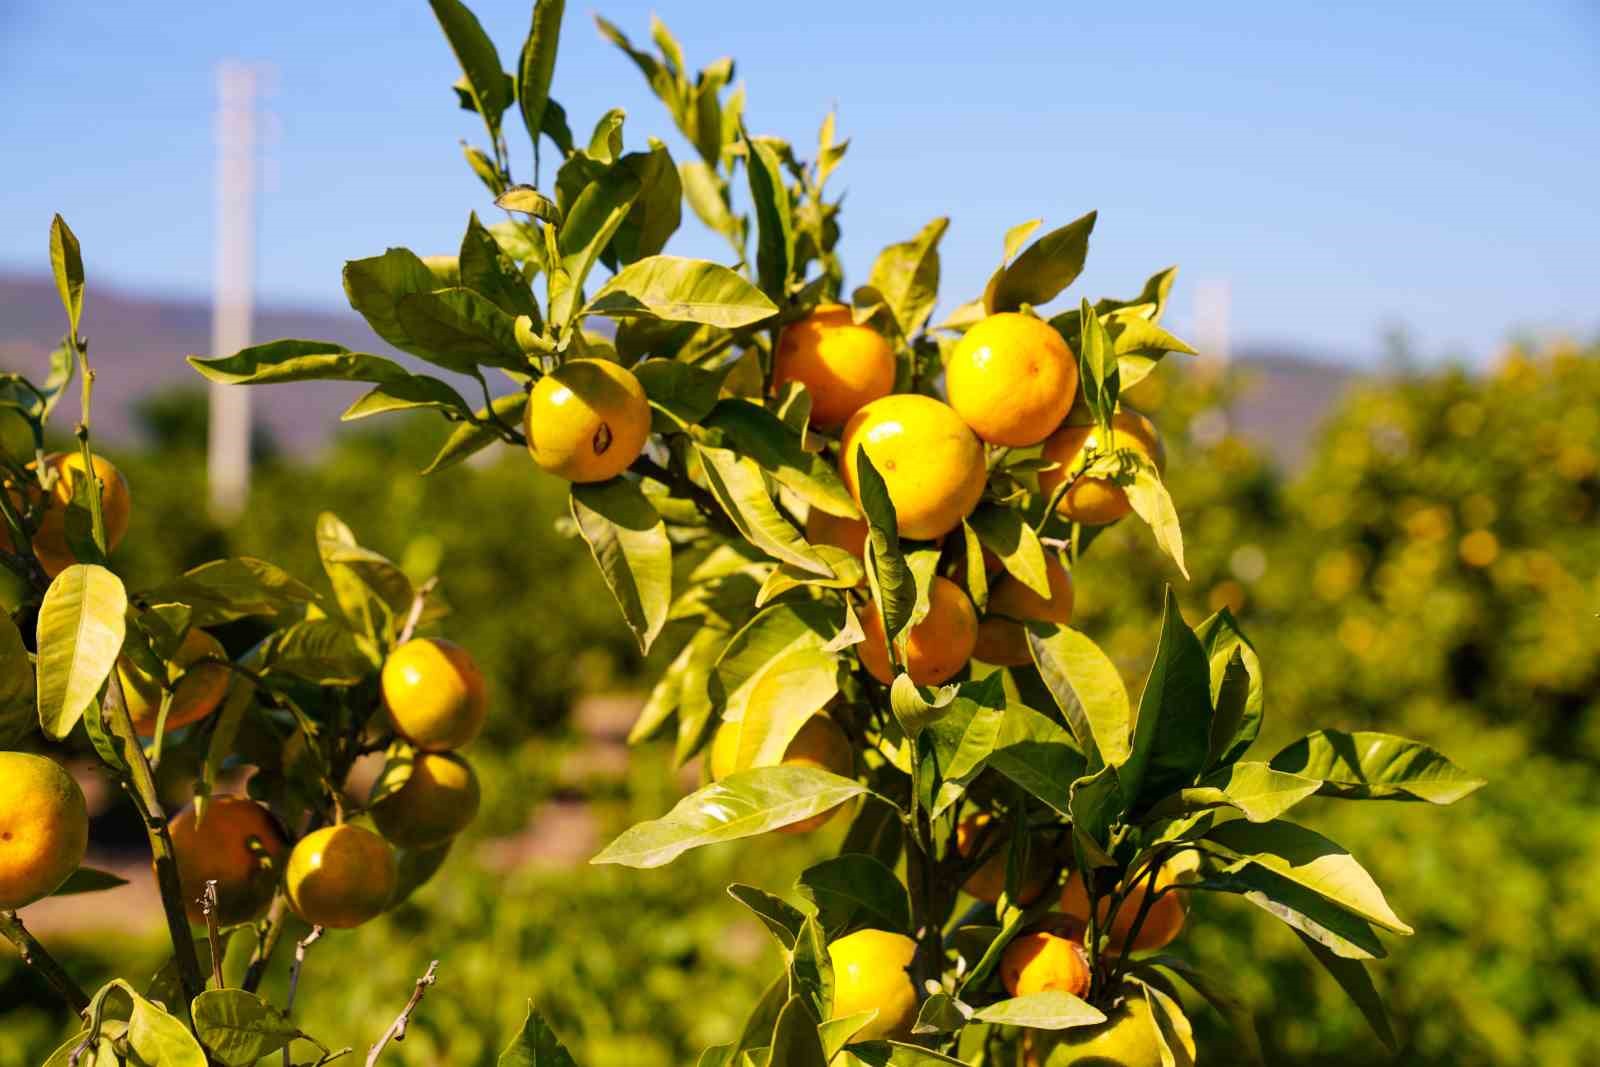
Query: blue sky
point(1344, 168)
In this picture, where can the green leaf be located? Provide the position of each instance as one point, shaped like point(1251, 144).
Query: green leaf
point(228, 589)
point(893, 586)
point(1173, 730)
point(1048, 266)
point(1038, 755)
point(323, 651)
point(1365, 765)
point(376, 285)
point(811, 971)
point(788, 691)
point(240, 1028)
point(703, 190)
point(1097, 370)
point(408, 394)
point(630, 545)
point(658, 211)
point(535, 1045)
point(1308, 859)
point(1353, 978)
point(1049, 1010)
point(675, 289)
point(458, 329)
point(374, 594)
point(1237, 692)
point(1255, 789)
point(941, 1014)
point(592, 219)
point(298, 361)
point(486, 79)
point(488, 270)
point(777, 914)
point(913, 709)
point(740, 487)
point(66, 263)
point(742, 805)
point(1303, 909)
point(158, 1039)
point(88, 880)
point(1139, 344)
point(683, 392)
point(977, 573)
point(81, 627)
point(774, 217)
point(756, 432)
point(1151, 502)
point(837, 1033)
point(762, 645)
point(1087, 687)
point(893, 1054)
point(795, 1041)
point(1228, 1004)
point(536, 68)
point(469, 438)
point(1007, 534)
point(853, 891)
point(17, 705)
point(907, 275)
point(526, 200)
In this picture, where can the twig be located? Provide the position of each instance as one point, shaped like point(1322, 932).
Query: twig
point(414, 616)
point(397, 1030)
point(294, 977)
point(265, 944)
point(34, 955)
point(208, 905)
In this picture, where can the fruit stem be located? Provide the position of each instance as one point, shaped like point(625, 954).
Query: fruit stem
point(265, 946)
point(208, 904)
point(1153, 867)
point(140, 782)
point(34, 955)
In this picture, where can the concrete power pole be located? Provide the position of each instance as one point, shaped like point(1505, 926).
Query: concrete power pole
point(233, 301)
point(1211, 328)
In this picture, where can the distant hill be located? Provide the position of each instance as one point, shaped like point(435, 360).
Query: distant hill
point(139, 343)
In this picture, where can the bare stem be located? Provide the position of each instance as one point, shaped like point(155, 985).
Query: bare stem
point(294, 976)
point(414, 616)
point(397, 1030)
point(267, 942)
point(208, 904)
point(34, 955)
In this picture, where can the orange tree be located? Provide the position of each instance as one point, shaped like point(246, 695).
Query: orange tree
point(139, 682)
point(824, 503)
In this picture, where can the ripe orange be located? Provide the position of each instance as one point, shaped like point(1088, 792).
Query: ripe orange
point(1002, 640)
point(1051, 958)
point(1012, 378)
point(44, 828)
point(842, 365)
point(1095, 501)
point(935, 648)
point(434, 694)
point(240, 846)
point(434, 804)
point(199, 691)
point(116, 508)
point(869, 972)
point(340, 876)
point(930, 461)
point(1163, 922)
point(818, 743)
point(588, 420)
point(973, 834)
point(838, 531)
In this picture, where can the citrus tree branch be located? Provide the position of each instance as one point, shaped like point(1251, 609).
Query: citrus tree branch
point(139, 780)
point(300, 949)
point(397, 1029)
point(267, 942)
point(34, 955)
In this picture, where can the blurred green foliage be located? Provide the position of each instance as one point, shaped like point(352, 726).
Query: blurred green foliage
point(1433, 571)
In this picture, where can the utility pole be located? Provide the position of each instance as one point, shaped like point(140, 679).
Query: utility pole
point(1212, 299)
point(233, 300)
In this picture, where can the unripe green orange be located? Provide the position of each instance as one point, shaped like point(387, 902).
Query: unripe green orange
point(588, 420)
point(44, 828)
point(434, 694)
point(340, 876)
